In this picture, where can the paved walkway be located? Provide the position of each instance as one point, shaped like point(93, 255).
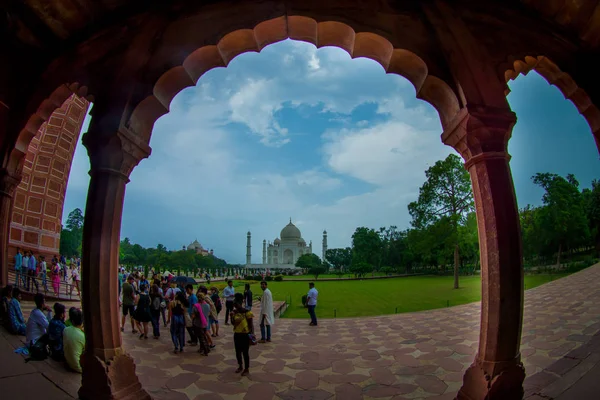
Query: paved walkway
point(406, 356)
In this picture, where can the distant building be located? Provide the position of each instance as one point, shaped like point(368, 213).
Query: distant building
point(196, 246)
point(283, 252)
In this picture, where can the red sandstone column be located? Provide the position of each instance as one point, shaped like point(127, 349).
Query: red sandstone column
point(108, 372)
point(481, 136)
point(8, 184)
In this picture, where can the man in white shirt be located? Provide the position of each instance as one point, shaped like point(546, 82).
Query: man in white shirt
point(267, 319)
point(311, 302)
point(39, 319)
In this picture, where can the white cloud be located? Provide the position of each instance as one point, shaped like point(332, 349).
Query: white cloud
point(391, 153)
point(314, 63)
point(255, 106)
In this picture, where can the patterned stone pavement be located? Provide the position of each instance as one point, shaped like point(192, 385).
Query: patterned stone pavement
point(406, 356)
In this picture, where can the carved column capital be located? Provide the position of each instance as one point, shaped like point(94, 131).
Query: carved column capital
point(8, 182)
point(117, 153)
point(480, 132)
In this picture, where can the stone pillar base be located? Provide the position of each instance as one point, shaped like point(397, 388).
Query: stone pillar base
point(113, 380)
point(481, 383)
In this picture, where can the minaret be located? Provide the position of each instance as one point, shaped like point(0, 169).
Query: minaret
point(248, 249)
point(324, 244)
point(264, 251)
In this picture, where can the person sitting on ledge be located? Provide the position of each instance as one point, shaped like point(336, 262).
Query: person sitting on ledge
point(39, 319)
point(55, 332)
point(74, 340)
point(15, 315)
point(5, 296)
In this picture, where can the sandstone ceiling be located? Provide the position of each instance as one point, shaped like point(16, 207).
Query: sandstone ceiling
point(44, 24)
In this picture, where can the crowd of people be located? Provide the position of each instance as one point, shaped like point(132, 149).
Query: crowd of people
point(32, 271)
point(182, 308)
point(46, 328)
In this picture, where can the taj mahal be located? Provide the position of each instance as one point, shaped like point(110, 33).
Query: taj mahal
point(284, 251)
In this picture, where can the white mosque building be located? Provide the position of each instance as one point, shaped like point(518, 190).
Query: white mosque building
point(284, 251)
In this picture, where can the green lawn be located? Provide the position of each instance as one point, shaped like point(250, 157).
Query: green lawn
point(383, 296)
point(323, 276)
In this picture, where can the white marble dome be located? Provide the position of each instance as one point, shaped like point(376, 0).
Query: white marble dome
point(290, 232)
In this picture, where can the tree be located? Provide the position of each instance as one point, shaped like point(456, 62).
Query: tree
point(340, 259)
point(360, 268)
point(591, 201)
point(69, 243)
point(469, 239)
point(563, 218)
point(366, 246)
point(311, 263)
point(71, 236)
point(75, 220)
point(446, 193)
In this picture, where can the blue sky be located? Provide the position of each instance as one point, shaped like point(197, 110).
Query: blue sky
point(331, 142)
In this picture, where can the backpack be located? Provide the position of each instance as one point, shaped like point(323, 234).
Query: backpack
point(218, 304)
point(40, 350)
point(156, 303)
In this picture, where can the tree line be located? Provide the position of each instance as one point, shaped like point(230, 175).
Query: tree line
point(443, 235)
point(442, 238)
point(160, 259)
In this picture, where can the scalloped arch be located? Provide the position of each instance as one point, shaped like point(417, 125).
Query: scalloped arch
point(329, 33)
point(563, 81)
point(42, 114)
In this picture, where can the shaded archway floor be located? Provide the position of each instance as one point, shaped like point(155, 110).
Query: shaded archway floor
point(406, 356)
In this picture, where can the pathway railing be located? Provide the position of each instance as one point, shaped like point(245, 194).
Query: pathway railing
point(32, 285)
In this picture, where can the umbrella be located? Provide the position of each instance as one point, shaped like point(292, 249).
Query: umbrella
point(184, 280)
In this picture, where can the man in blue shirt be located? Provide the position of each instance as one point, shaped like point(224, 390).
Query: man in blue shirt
point(192, 299)
point(229, 294)
point(19, 277)
point(31, 264)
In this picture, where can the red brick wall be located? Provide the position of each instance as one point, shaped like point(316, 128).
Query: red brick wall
point(38, 200)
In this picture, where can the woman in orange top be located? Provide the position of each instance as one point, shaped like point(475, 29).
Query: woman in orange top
point(242, 328)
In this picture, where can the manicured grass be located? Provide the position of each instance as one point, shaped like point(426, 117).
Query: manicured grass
point(323, 276)
point(382, 296)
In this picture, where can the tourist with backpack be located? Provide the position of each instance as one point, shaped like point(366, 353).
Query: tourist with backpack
point(199, 325)
point(214, 323)
point(155, 309)
point(142, 312)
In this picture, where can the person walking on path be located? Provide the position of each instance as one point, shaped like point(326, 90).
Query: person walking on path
point(267, 319)
point(44, 273)
point(31, 273)
point(19, 277)
point(128, 304)
point(155, 310)
point(199, 325)
point(75, 278)
point(247, 297)
point(142, 312)
point(214, 324)
point(229, 294)
point(311, 302)
point(192, 300)
point(243, 326)
point(177, 311)
point(55, 271)
point(24, 268)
